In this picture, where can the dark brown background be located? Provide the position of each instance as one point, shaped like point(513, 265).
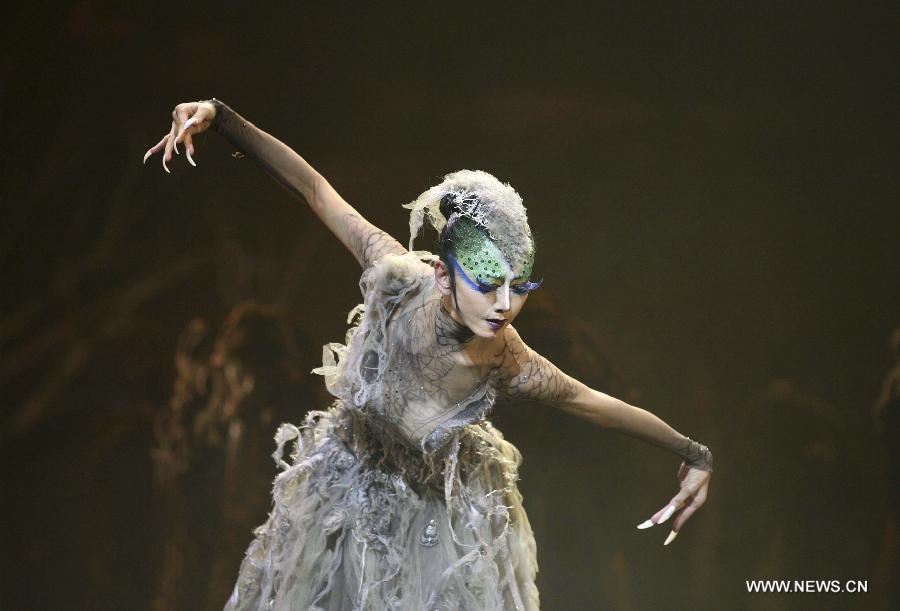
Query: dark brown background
point(714, 194)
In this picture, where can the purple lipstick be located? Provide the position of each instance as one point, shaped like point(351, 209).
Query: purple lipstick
point(496, 323)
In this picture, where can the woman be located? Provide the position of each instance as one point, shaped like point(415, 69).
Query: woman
point(402, 495)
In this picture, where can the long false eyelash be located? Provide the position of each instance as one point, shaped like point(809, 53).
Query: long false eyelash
point(527, 287)
point(520, 289)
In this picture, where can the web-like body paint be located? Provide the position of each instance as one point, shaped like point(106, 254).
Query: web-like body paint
point(402, 494)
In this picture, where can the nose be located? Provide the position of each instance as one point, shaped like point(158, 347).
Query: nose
point(502, 302)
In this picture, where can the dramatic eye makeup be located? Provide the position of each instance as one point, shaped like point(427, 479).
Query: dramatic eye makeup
point(523, 288)
point(519, 288)
point(465, 276)
point(486, 287)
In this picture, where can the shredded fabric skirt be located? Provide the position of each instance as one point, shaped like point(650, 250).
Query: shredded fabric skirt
point(363, 521)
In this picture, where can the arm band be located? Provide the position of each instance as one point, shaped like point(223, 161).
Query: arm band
point(276, 158)
point(696, 455)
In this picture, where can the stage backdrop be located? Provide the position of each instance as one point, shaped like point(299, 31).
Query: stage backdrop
point(713, 192)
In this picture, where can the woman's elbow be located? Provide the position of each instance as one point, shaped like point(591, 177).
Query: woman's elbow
point(591, 405)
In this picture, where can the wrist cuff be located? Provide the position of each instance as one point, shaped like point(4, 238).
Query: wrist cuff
point(222, 109)
point(697, 455)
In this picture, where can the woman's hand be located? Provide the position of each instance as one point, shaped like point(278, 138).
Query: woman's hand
point(694, 484)
point(188, 120)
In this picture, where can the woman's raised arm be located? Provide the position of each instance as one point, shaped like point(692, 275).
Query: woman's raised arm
point(365, 241)
point(525, 374)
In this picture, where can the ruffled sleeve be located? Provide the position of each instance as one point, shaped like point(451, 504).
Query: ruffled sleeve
point(354, 370)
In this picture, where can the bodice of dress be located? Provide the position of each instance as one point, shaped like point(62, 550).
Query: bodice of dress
point(395, 369)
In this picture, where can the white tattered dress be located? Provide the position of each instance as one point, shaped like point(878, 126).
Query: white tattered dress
point(385, 503)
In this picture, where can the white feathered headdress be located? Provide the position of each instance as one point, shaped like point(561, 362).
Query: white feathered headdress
point(482, 198)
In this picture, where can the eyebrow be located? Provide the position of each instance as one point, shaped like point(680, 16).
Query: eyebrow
point(497, 280)
point(520, 279)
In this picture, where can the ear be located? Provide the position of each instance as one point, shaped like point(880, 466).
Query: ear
point(442, 277)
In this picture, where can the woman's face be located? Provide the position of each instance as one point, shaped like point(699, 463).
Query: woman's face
point(485, 304)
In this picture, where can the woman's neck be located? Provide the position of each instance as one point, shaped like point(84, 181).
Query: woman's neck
point(449, 329)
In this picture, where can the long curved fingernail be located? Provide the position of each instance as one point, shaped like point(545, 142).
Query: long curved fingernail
point(175, 146)
point(165, 167)
point(147, 154)
point(187, 152)
point(668, 514)
point(671, 537)
point(188, 123)
point(645, 524)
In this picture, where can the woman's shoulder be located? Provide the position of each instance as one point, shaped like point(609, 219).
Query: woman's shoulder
point(396, 274)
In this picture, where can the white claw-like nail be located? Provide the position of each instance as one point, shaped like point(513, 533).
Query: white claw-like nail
point(671, 537)
point(187, 152)
point(175, 146)
point(165, 167)
point(147, 154)
point(668, 514)
point(188, 123)
point(645, 524)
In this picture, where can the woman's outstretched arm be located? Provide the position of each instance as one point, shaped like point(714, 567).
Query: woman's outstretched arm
point(525, 374)
point(365, 241)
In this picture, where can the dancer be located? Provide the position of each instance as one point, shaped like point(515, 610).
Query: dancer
point(402, 495)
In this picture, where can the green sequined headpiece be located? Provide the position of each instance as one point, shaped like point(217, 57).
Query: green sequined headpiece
point(481, 255)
